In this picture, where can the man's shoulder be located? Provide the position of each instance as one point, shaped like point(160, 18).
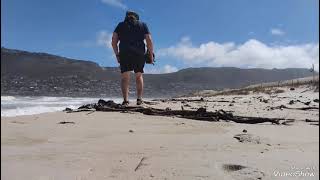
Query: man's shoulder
point(143, 23)
point(121, 23)
point(120, 27)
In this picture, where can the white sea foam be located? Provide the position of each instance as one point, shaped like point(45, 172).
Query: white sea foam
point(7, 98)
point(31, 110)
point(26, 105)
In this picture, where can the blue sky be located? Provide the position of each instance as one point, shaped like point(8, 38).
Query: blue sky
point(186, 33)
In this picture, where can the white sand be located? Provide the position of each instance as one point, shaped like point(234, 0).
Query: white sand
point(100, 146)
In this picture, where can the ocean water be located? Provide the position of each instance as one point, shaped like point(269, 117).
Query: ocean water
point(27, 105)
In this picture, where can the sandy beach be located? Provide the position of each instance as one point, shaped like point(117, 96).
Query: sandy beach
point(115, 145)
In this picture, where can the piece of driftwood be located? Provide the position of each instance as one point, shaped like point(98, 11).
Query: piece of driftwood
point(305, 108)
point(315, 124)
point(288, 122)
point(91, 112)
point(200, 114)
point(140, 163)
point(309, 120)
point(66, 122)
point(187, 100)
point(197, 100)
point(69, 110)
point(301, 108)
point(305, 103)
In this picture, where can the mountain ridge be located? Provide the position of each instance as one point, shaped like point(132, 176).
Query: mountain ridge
point(54, 75)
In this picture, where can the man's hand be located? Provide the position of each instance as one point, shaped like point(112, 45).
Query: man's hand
point(114, 43)
point(151, 57)
point(150, 46)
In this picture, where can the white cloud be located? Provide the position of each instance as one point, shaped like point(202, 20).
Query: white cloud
point(169, 69)
point(277, 32)
point(104, 39)
point(115, 3)
point(251, 54)
point(165, 69)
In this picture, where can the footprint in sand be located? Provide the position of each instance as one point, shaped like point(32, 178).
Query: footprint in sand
point(243, 172)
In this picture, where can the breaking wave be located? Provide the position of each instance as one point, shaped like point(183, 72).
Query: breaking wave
point(27, 105)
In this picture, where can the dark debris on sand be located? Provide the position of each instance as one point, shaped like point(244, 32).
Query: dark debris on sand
point(199, 114)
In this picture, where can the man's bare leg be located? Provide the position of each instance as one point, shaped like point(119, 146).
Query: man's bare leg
point(139, 85)
point(125, 79)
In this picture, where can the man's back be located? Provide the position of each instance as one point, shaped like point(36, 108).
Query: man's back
point(131, 36)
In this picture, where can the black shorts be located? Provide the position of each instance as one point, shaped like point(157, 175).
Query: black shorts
point(131, 62)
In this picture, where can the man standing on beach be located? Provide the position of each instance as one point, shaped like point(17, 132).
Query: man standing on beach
point(131, 52)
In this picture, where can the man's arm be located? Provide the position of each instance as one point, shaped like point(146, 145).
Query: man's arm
point(114, 43)
point(149, 44)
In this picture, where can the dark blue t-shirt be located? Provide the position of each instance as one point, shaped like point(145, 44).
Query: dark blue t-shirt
point(131, 36)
